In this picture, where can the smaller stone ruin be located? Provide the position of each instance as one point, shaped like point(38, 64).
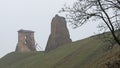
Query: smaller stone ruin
point(59, 33)
point(26, 42)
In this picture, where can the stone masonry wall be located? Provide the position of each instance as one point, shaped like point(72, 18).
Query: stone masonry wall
point(59, 33)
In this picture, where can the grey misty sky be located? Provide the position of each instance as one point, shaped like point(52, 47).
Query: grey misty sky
point(33, 15)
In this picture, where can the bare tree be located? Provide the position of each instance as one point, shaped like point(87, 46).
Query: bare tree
point(106, 11)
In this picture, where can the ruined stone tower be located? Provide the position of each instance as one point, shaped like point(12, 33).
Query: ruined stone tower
point(59, 33)
point(26, 42)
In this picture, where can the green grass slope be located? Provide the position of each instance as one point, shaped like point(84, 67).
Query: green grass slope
point(78, 54)
point(112, 57)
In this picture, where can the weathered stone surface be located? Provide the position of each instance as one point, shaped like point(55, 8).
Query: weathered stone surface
point(26, 42)
point(59, 33)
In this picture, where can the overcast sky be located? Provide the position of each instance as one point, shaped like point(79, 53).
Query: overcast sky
point(33, 15)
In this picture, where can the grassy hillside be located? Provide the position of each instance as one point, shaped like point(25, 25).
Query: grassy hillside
point(111, 58)
point(86, 53)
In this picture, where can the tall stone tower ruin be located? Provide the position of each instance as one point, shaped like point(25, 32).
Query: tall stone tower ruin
point(26, 42)
point(59, 33)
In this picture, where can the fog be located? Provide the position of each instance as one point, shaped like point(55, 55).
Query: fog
point(35, 15)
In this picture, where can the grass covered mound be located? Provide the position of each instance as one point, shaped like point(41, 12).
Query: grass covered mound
point(86, 53)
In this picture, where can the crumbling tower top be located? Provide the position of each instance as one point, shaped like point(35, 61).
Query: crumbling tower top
point(25, 31)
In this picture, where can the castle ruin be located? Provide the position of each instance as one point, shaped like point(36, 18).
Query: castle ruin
point(59, 33)
point(26, 42)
